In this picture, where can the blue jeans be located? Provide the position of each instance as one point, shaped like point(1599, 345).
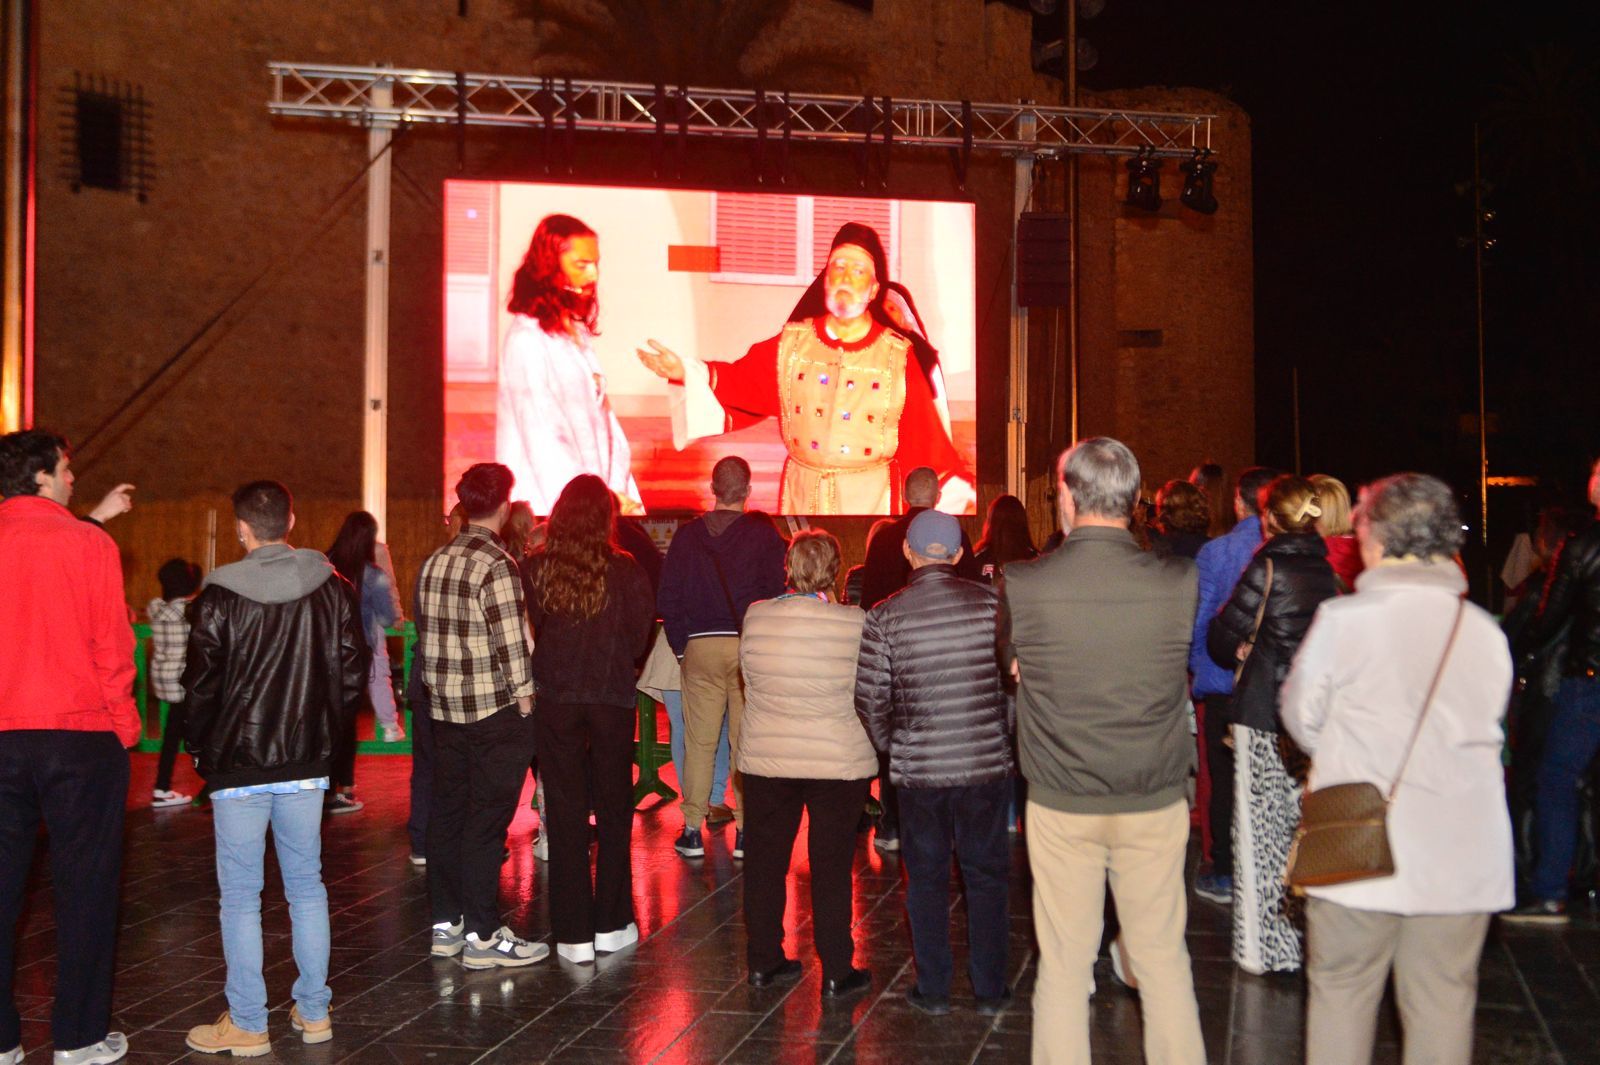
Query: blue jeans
point(296, 822)
point(971, 821)
point(1571, 744)
point(673, 701)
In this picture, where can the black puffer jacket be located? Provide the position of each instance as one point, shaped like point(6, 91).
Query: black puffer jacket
point(276, 668)
point(1301, 580)
point(928, 686)
point(1573, 593)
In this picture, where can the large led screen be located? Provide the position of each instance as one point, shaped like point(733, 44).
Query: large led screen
point(643, 334)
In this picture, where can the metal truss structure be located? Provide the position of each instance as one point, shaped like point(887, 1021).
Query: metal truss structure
point(385, 99)
point(387, 95)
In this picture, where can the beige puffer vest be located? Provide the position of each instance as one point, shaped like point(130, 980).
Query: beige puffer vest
point(798, 654)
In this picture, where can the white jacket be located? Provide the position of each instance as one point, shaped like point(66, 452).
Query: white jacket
point(1351, 700)
point(799, 659)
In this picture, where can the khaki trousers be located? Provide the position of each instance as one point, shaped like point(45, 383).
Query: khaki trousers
point(1435, 963)
point(712, 687)
point(1071, 856)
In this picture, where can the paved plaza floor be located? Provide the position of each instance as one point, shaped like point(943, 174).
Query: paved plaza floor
point(680, 995)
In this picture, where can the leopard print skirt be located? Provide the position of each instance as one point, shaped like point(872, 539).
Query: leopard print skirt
point(1266, 812)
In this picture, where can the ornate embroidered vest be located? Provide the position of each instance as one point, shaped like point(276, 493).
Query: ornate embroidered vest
point(840, 413)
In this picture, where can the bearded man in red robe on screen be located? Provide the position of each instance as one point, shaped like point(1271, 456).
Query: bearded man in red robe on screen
point(855, 394)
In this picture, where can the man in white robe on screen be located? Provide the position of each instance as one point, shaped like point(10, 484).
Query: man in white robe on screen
point(553, 419)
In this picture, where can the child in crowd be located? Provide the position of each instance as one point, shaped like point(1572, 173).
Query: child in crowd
point(169, 633)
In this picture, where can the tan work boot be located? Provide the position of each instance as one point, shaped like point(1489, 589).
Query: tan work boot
point(311, 1031)
point(224, 1038)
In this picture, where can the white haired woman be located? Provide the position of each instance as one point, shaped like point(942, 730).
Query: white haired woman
point(1353, 700)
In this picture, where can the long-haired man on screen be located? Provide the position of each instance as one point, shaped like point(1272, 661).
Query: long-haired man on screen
point(855, 393)
point(553, 419)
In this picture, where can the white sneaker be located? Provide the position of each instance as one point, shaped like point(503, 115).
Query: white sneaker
point(578, 953)
point(114, 1047)
point(12, 1056)
point(448, 939)
point(503, 949)
point(419, 860)
point(541, 847)
point(158, 800)
point(621, 939)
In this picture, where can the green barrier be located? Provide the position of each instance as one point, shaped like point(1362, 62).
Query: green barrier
point(153, 711)
point(650, 752)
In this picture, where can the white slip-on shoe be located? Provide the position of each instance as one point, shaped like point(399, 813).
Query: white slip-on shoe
point(621, 939)
point(577, 953)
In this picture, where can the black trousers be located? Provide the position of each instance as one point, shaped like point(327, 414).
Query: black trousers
point(478, 771)
point(171, 740)
point(889, 819)
point(771, 821)
point(77, 784)
point(1219, 761)
point(973, 821)
point(421, 772)
point(580, 742)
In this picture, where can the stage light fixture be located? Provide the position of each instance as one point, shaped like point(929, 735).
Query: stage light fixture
point(1197, 194)
point(1144, 181)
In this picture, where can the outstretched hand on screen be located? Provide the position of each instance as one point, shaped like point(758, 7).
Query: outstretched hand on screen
point(661, 361)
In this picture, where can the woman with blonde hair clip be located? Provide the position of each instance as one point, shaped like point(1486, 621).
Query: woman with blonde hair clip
point(1257, 633)
point(1337, 530)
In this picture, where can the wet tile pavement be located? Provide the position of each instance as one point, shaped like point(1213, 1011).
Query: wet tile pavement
point(680, 995)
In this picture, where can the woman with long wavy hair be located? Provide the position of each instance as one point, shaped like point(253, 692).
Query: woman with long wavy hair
point(592, 614)
point(553, 416)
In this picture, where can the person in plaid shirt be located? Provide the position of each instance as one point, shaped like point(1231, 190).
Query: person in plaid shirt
point(477, 661)
point(169, 637)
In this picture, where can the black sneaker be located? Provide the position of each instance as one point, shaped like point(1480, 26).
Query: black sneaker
point(933, 1007)
point(989, 1007)
point(738, 845)
point(1545, 911)
point(690, 844)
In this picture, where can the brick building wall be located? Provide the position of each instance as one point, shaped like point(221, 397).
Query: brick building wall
point(275, 389)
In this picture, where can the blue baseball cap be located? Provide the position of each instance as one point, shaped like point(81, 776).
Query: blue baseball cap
point(934, 534)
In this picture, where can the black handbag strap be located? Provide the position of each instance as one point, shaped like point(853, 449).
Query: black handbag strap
point(727, 593)
point(1427, 703)
point(1255, 630)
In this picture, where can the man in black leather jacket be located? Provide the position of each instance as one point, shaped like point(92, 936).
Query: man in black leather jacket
point(1572, 595)
point(929, 694)
point(276, 665)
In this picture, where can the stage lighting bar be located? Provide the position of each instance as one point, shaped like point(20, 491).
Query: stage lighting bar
point(443, 97)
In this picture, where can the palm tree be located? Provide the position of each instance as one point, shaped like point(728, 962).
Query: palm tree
point(710, 43)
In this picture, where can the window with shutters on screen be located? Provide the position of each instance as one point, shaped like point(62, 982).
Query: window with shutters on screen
point(763, 239)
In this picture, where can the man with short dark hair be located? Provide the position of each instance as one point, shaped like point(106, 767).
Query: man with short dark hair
point(1221, 562)
point(476, 657)
point(929, 694)
point(715, 568)
point(66, 718)
point(1097, 633)
point(275, 671)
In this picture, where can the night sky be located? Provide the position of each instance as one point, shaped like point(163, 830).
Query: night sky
point(1362, 126)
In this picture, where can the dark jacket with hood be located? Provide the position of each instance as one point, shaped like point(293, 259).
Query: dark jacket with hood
point(276, 668)
point(928, 687)
point(717, 566)
point(1301, 580)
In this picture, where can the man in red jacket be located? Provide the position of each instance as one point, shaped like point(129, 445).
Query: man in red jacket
point(66, 718)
